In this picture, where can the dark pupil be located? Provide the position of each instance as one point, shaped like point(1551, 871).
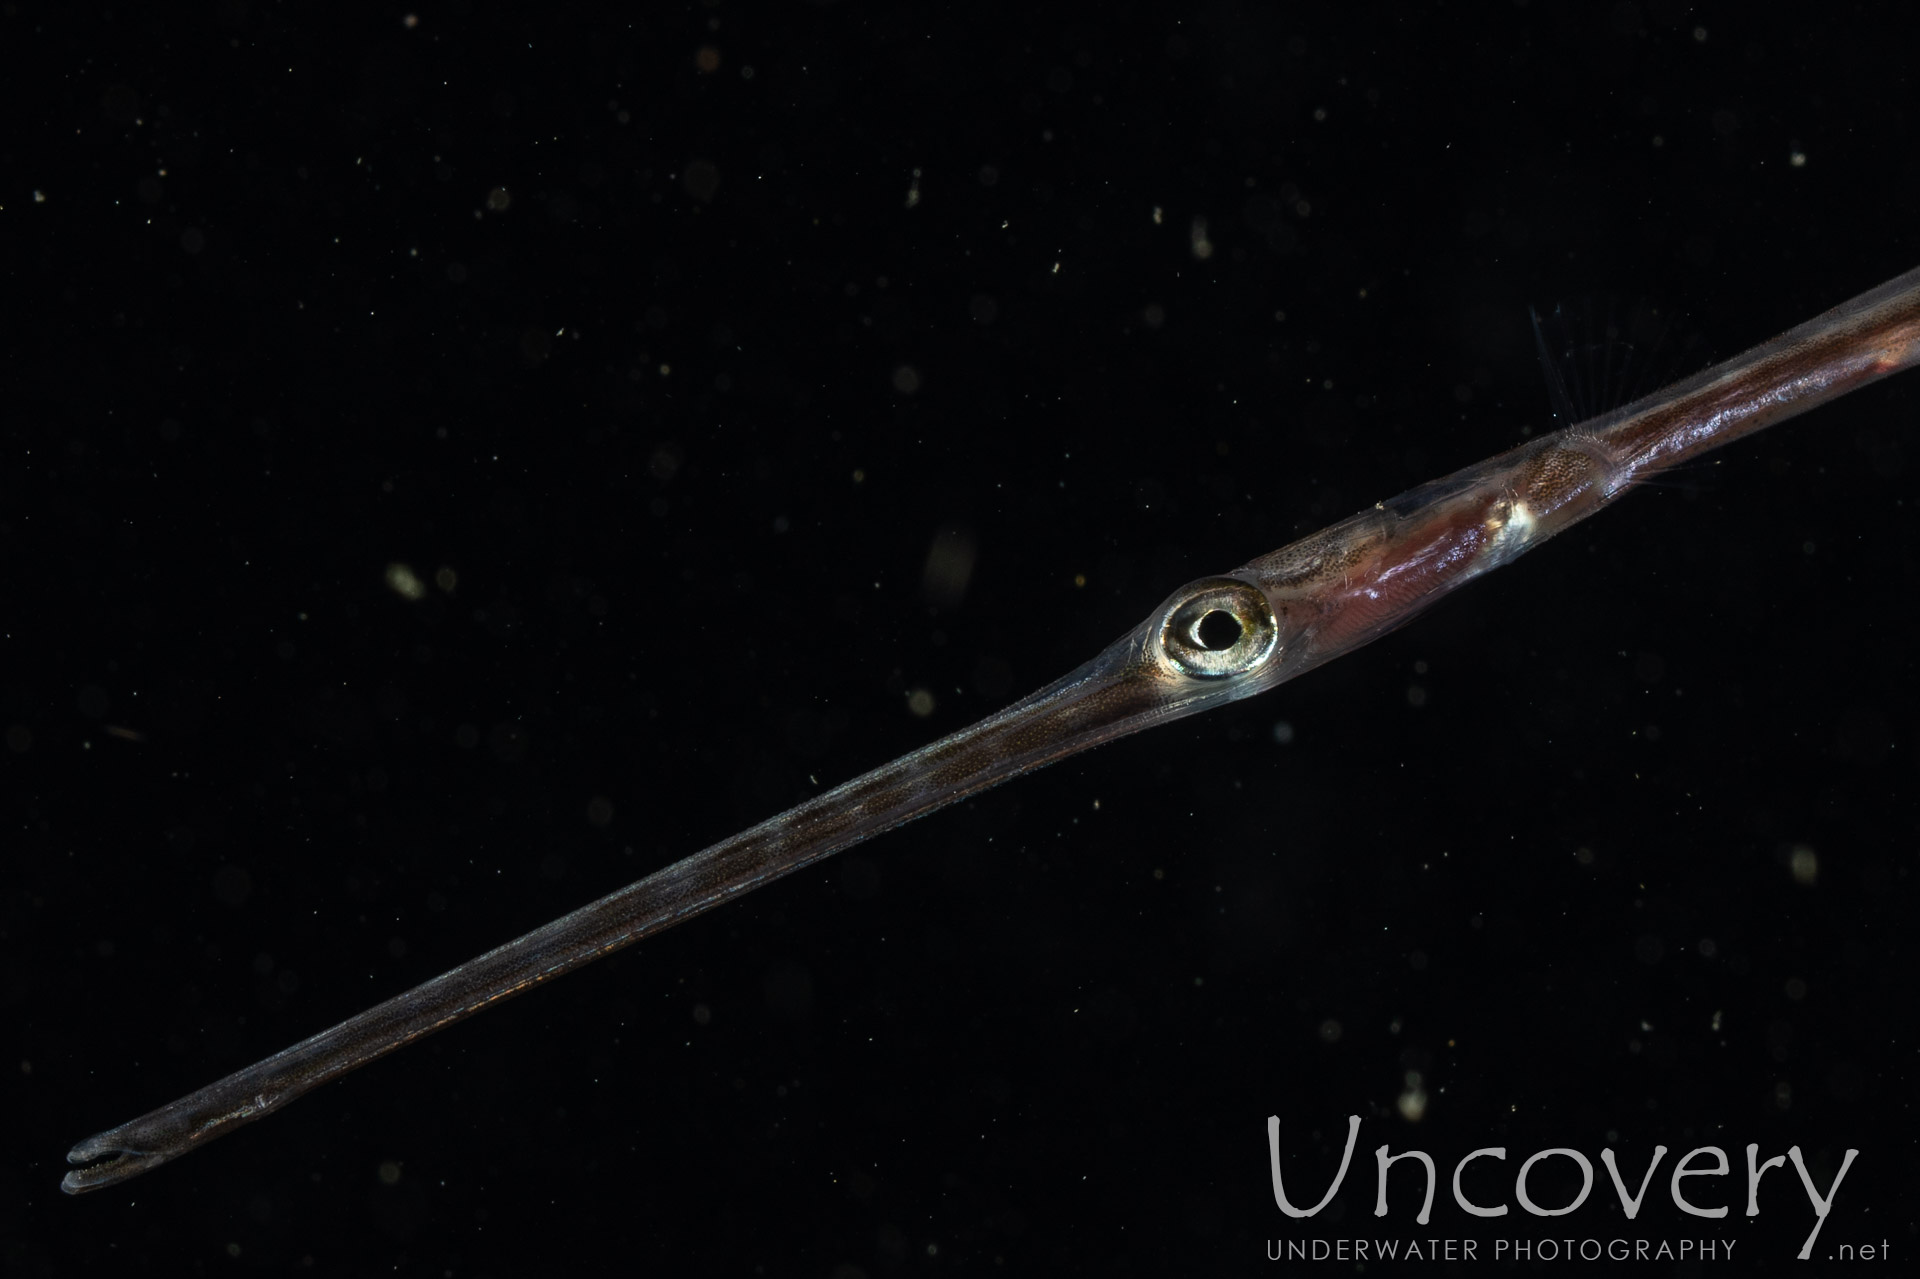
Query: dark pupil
point(1217, 631)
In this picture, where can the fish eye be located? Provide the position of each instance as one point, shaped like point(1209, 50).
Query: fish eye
point(1217, 627)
